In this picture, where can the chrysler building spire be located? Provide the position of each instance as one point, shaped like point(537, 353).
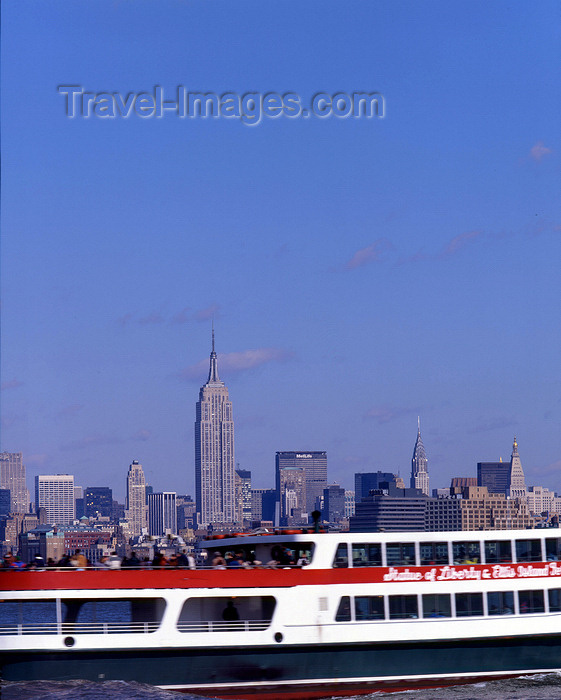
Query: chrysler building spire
point(419, 473)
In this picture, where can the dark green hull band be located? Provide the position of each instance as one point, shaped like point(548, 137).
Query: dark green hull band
point(336, 662)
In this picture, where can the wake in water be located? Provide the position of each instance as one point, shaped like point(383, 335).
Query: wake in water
point(88, 690)
point(543, 686)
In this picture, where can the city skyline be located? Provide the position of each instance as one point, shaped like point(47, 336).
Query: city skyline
point(360, 271)
point(511, 477)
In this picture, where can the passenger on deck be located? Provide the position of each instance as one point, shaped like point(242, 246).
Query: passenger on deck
point(230, 614)
point(78, 561)
point(159, 561)
point(237, 561)
point(114, 561)
point(64, 562)
point(218, 561)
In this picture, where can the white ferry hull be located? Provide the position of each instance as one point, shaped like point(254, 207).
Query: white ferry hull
point(335, 627)
point(297, 672)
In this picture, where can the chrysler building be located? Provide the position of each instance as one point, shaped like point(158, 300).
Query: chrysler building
point(214, 452)
point(419, 473)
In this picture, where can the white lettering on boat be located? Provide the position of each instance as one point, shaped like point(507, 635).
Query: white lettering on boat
point(473, 572)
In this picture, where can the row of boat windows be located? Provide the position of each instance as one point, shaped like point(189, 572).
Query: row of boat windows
point(446, 553)
point(439, 605)
point(120, 615)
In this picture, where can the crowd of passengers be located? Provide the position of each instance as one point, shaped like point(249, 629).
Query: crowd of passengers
point(281, 557)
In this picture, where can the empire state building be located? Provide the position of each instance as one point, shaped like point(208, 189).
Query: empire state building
point(214, 451)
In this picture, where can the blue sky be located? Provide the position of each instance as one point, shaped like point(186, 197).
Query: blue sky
point(360, 272)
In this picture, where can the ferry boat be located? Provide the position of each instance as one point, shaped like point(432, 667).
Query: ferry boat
point(361, 612)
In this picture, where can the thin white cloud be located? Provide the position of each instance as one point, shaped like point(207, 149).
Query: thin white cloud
point(489, 425)
point(212, 311)
point(143, 435)
point(237, 362)
point(154, 317)
point(11, 384)
point(91, 441)
point(70, 410)
point(553, 468)
point(371, 253)
point(36, 460)
point(182, 316)
point(458, 242)
point(386, 414)
point(124, 320)
point(539, 150)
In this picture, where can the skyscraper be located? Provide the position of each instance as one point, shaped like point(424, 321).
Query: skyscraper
point(419, 473)
point(12, 476)
point(503, 477)
point(366, 482)
point(55, 493)
point(162, 513)
point(333, 503)
point(495, 476)
point(263, 504)
point(315, 470)
point(5, 502)
point(135, 507)
point(98, 501)
point(243, 493)
point(214, 451)
point(291, 495)
point(517, 481)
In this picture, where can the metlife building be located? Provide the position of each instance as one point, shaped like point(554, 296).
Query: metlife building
point(315, 467)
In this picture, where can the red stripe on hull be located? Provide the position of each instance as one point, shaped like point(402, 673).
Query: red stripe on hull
point(263, 578)
point(318, 691)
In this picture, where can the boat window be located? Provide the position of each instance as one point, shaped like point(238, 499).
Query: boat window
point(28, 617)
point(434, 553)
point(466, 552)
point(287, 554)
point(528, 550)
point(530, 602)
point(81, 616)
point(344, 610)
point(400, 554)
point(500, 603)
point(436, 605)
point(469, 604)
point(497, 551)
point(367, 554)
point(341, 560)
point(226, 613)
point(112, 615)
point(554, 599)
point(403, 607)
point(553, 549)
point(369, 607)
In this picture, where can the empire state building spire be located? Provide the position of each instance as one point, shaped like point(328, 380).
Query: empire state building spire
point(419, 473)
point(213, 377)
